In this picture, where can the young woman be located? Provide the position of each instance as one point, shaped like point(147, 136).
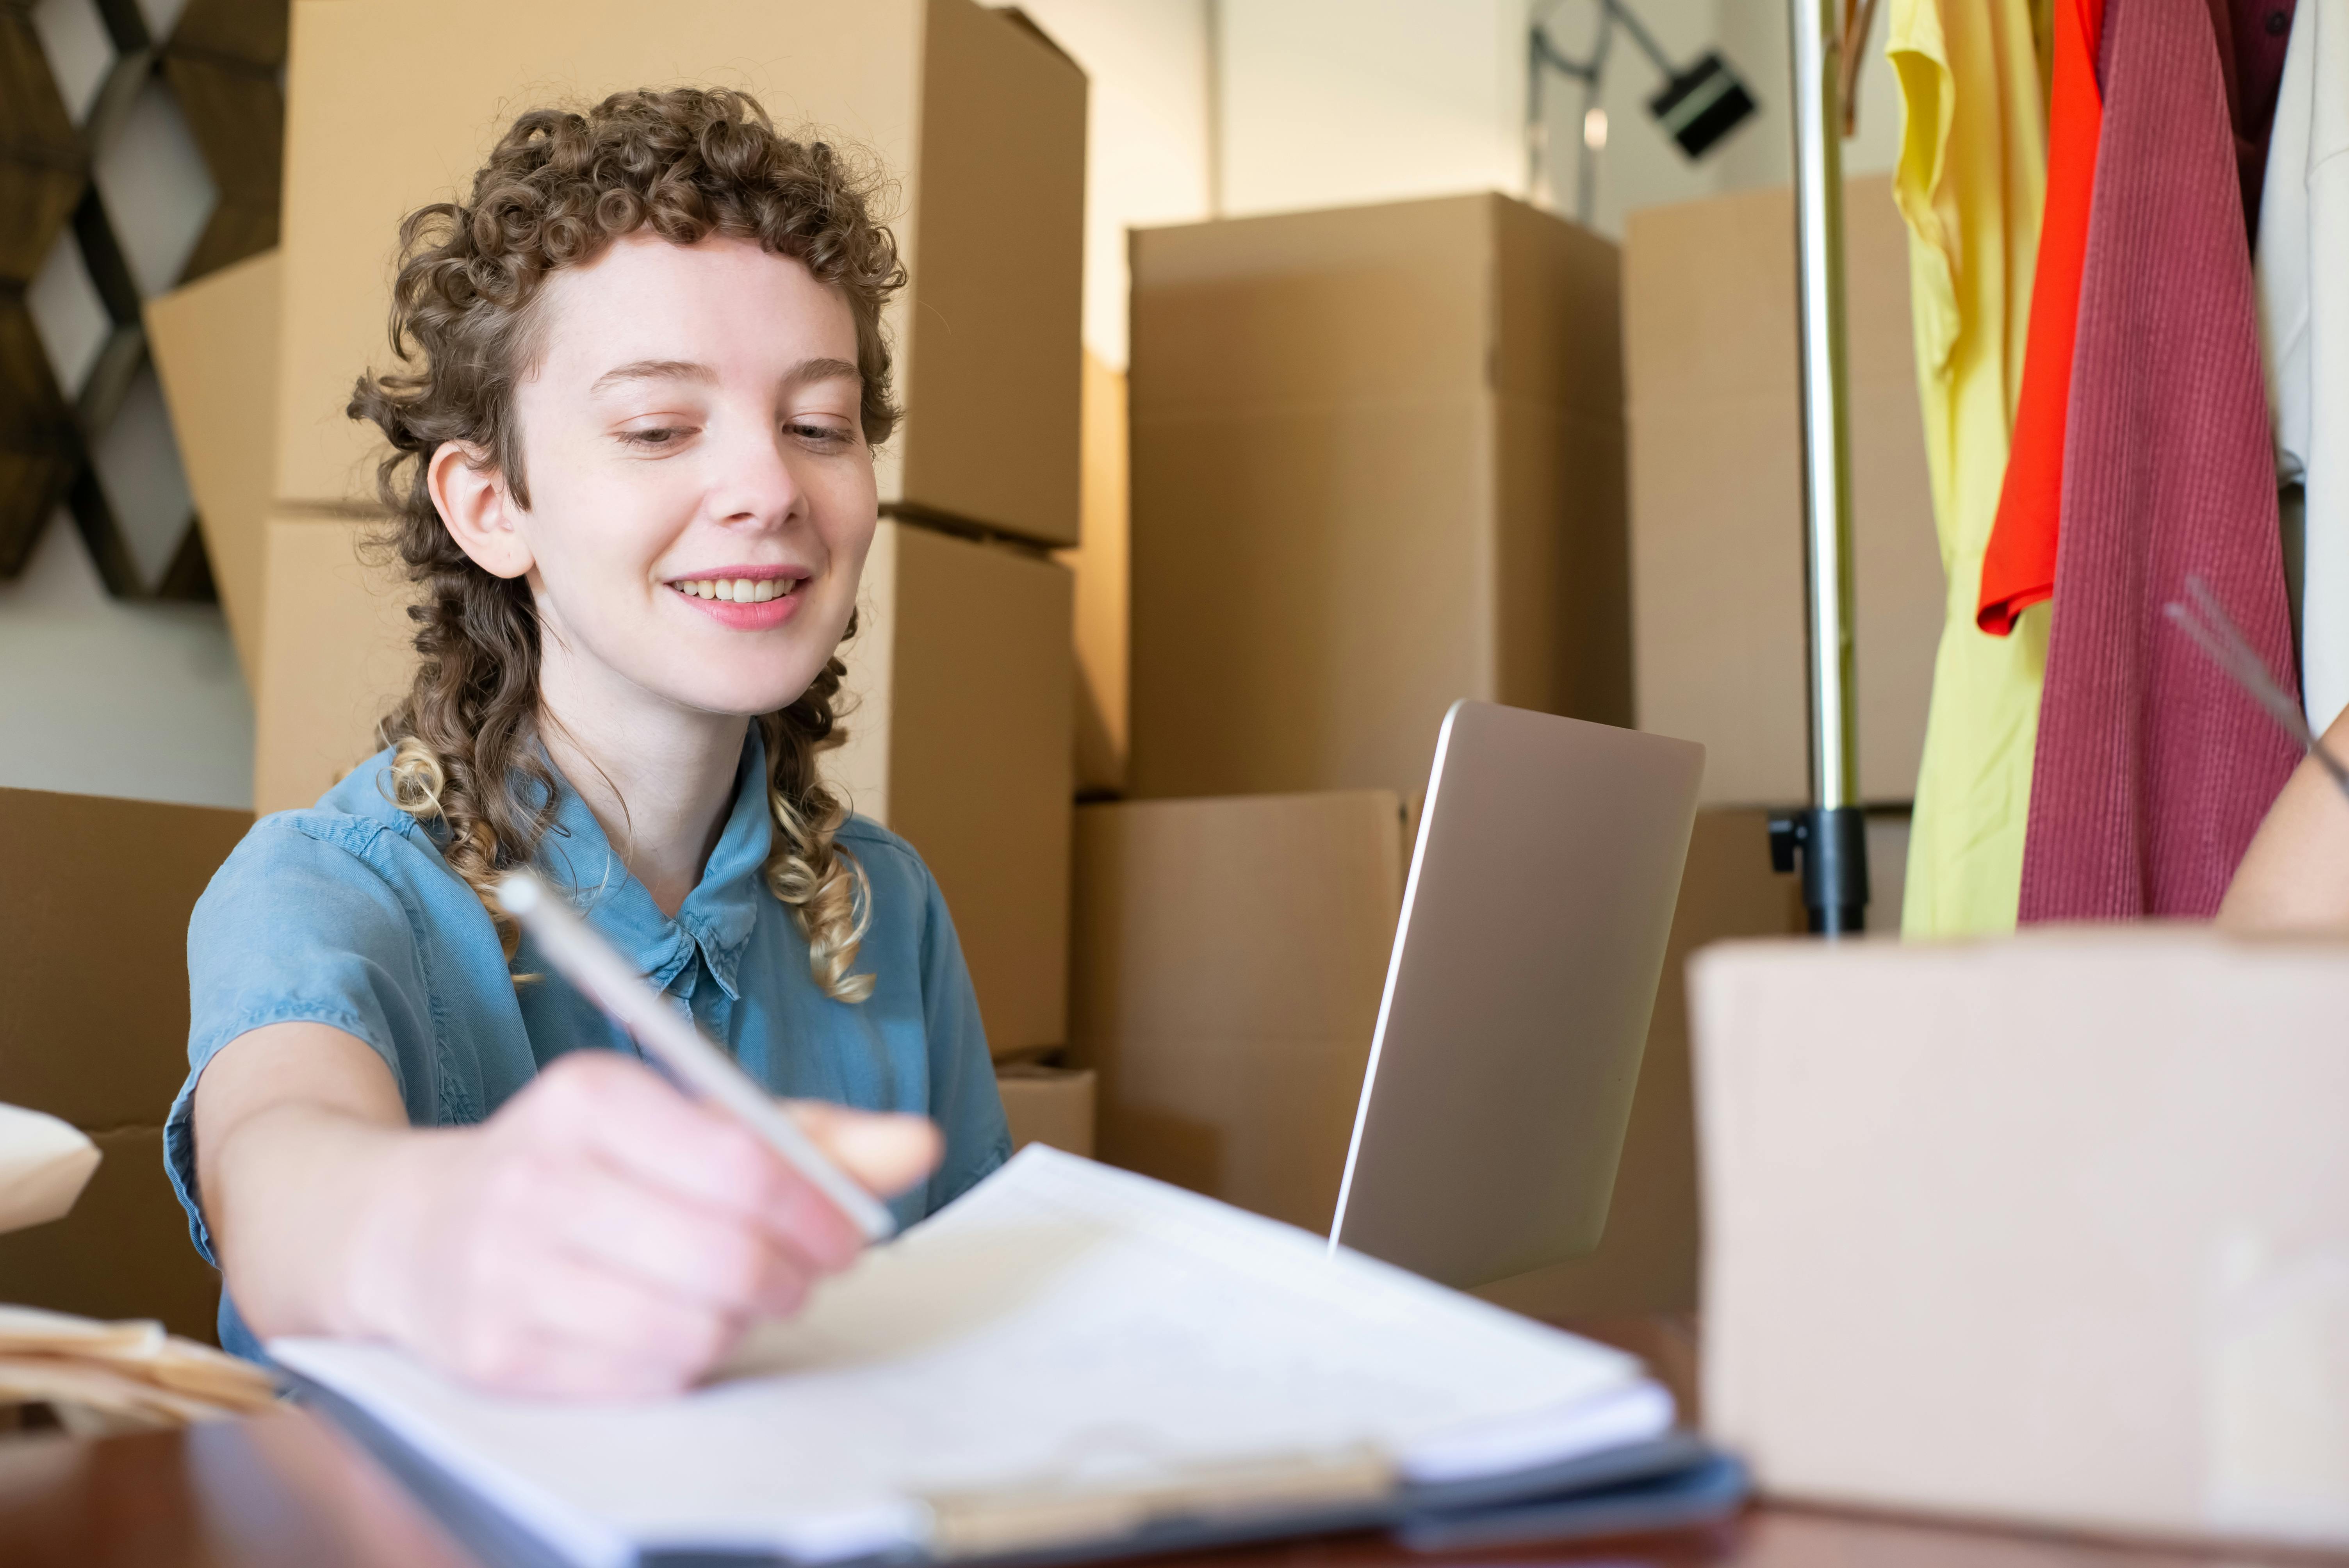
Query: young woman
point(632, 475)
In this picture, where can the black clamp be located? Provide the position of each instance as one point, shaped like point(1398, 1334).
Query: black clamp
point(1829, 847)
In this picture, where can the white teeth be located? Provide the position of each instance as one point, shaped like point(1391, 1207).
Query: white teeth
point(738, 589)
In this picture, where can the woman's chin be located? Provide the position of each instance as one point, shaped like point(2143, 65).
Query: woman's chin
point(743, 699)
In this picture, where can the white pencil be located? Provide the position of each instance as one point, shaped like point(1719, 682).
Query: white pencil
point(589, 962)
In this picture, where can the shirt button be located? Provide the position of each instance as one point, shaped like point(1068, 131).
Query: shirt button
point(2279, 23)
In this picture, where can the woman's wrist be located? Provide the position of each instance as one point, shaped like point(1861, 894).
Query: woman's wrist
point(374, 1280)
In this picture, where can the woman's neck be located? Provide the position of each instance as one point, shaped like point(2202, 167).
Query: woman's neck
point(659, 778)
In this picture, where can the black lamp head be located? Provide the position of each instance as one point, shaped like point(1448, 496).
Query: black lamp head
point(1701, 104)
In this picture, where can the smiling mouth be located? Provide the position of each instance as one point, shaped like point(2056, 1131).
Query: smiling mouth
point(737, 590)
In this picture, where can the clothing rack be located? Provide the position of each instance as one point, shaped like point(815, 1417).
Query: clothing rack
point(1827, 842)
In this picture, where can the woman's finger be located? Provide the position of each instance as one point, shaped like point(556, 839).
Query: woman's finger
point(886, 1153)
point(634, 1120)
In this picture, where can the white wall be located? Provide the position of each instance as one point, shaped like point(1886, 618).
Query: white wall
point(1334, 102)
point(1146, 146)
point(102, 698)
point(1328, 102)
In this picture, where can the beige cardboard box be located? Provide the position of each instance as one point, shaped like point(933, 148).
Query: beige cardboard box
point(1048, 1105)
point(1105, 592)
point(93, 951)
point(1646, 1263)
point(960, 740)
point(1714, 408)
point(216, 349)
point(1377, 468)
point(2053, 1229)
point(123, 1251)
point(94, 1029)
point(336, 653)
point(981, 120)
point(1228, 957)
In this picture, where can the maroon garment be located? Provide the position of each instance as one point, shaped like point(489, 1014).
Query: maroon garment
point(2153, 769)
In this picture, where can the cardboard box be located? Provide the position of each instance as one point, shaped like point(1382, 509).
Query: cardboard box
point(1048, 1105)
point(961, 742)
point(123, 1251)
point(1377, 467)
point(961, 673)
point(1228, 956)
point(216, 349)
point(1104, 587)
point(978, 118)
point(94, 1029)
point(2054, 1228)
point(1717, 572)
point(93, 952)
point(1646, 1264)
point(337, 652)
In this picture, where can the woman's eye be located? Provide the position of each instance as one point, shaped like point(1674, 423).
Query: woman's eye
point(659, 436)
point(827, 436)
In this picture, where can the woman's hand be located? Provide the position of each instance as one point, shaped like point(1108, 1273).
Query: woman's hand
point(602, 1236)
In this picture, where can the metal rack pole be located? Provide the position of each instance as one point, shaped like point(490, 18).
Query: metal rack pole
point(1828, 841)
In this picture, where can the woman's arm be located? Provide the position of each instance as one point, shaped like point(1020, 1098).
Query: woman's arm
point(2295, 876)
point(600, 1235)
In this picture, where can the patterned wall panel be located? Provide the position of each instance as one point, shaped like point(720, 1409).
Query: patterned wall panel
point(140, 148)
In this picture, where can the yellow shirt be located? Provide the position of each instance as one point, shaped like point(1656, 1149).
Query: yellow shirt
point(1971, 181)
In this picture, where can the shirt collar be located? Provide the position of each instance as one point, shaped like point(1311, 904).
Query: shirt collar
point(717, 916)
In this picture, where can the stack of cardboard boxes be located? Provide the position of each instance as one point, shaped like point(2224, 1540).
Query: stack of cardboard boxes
point(1379, 463)
point(962, 672)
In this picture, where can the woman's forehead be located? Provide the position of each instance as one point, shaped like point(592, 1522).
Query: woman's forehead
point(722, 306)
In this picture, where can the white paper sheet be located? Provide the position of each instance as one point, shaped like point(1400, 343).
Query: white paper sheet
point(44, 1165)
point(1063, 1325)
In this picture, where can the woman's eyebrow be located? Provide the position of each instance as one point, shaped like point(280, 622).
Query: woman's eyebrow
point(654, 370)
point(808, 370)
point(800, 375)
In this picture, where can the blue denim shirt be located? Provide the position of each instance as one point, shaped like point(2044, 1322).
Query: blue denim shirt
point(346, 915)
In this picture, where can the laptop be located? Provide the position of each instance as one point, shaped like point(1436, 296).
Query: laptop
point(1518, 996)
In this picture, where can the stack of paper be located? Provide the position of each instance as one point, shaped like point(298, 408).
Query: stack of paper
point(1068, 1355)
point(121, 1376)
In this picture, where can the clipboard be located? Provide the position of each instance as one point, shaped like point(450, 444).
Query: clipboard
point(1672, 1483)
point(1070, 1364)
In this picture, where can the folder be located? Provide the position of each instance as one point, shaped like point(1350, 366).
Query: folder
point(1071, 1361)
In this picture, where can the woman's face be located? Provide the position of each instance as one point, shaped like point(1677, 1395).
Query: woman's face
point(701, 493)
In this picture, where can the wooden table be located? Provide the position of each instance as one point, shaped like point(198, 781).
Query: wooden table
point(288, 1491)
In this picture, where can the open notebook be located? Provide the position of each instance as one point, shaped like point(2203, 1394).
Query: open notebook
point(1070, 1358)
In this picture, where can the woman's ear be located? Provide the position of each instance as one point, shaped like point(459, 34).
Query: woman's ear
point(477, 509)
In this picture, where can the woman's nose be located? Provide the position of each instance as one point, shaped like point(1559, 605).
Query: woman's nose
point(754, 482)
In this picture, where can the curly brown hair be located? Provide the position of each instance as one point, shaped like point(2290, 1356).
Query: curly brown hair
point(558, 189)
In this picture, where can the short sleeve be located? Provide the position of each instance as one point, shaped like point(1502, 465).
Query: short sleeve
point(964, 1102)
point(297, 928)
